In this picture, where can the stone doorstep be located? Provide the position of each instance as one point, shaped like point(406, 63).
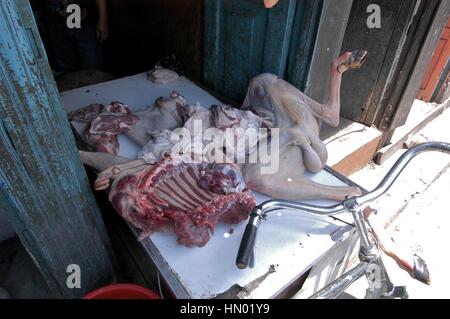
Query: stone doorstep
point(351, 146)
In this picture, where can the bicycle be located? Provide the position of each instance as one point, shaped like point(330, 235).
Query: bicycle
point(371, 264)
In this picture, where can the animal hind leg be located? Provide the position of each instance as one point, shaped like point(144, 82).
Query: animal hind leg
point(101, 161)
point(314, 152)
point(311, 158)
point(329, 111)
point(298, 188)
point(290, 183)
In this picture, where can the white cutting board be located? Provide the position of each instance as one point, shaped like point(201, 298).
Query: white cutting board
point(289, 241)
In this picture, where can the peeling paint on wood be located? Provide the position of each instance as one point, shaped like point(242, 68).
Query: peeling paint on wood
point(44, 189)
point(243, 39)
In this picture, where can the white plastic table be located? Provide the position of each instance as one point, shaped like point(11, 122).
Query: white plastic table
point(288, 243)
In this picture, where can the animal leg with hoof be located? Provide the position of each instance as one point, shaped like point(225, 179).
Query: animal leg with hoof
point(415, 266)
point(110, 166)
point(330, 110)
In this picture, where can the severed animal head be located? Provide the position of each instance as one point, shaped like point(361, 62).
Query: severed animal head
point(175, 105)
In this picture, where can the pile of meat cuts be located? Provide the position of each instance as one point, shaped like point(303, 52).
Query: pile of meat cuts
point(156, 193)
point(104, 123)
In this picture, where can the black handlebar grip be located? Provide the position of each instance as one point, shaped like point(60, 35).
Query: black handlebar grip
point(246, 248)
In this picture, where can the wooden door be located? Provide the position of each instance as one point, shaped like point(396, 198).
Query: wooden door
point(364, 90)
point(381, 93)
point(243, 39)
point(437, 66)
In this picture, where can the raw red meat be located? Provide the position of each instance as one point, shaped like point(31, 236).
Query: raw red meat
point(190, 198)
point(86, 114)
point(101, 133)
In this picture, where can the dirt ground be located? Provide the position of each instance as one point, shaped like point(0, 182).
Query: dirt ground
point(420, 202)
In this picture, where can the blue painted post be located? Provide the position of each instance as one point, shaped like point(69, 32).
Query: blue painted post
point(43, 186)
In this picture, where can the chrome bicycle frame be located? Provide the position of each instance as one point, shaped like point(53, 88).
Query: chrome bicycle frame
point(371, 264)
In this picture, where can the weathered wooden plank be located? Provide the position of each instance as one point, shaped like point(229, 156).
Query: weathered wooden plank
point(410, 52)
point(243, 39)
point(278, 38)
point(390, 69)
point(211, 56)
point(44, 189)
point(387, 151)
point(362, 89)
point(422, 39)
point(304, 32)
point(350, 146)
point(330, 34)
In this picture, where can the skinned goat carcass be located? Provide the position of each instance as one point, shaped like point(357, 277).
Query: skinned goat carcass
point(104, 123)
point(188, 198)
point(298, 118)
point(220, 118)
point(166, 114)
point(191, 198)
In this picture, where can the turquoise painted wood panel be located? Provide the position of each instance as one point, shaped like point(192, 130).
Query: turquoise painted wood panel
point(306, 24)
point(43, 186)
point(243, 39)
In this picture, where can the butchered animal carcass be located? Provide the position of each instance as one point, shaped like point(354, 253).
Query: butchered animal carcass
point(188, 198)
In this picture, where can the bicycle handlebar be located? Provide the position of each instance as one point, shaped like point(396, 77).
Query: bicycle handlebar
point(249, 238)
point(398, 167)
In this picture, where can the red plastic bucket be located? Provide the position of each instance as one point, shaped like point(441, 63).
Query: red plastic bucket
point(122, 291)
